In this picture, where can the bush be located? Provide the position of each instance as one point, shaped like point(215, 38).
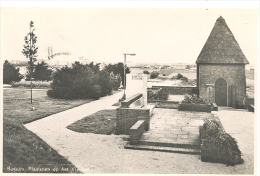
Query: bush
point(211, 128)
point(105, 83)
point(146, 72)
point(10, 73)
point(193, 99)
point(156, 94)
point(80, 82)
point(154, 74)
point(42, 72)
point(227, 148)
point(185, 79)
point(179, 76)
point(164, 74)
point(77, 82)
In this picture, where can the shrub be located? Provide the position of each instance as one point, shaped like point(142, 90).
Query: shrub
point(146, 72)
point(211, 128)
point(227, 148)
point(104, 82)
point(77, 82)
point(193, 99)
point(179, 76)
point(154, 74)
point(80, 82)
point(173, 78)
point(164, 74)
point(42, 72)
point(10, 73)
point(156, 94)
point(185, 79)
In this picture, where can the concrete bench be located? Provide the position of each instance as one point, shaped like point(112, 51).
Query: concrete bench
point(130, 111)
point(136, 132)
point(133, 100)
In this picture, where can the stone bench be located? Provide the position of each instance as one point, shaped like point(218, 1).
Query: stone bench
point(131, 110)
point(136, 132)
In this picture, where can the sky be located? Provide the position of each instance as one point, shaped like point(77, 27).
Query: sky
point(162, 35)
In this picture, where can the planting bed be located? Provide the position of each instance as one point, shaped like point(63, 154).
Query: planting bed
point(194, 107)
point(218, 146)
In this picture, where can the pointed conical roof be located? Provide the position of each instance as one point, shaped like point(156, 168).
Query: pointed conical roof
point(221, 47)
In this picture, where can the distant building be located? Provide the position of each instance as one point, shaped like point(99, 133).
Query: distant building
point(221, 68)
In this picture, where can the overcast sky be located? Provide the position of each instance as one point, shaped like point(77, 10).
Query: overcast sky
point(104, 34)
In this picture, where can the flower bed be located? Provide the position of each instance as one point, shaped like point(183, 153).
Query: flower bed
point(218, 146)
point(193, 103)
point(194, 107)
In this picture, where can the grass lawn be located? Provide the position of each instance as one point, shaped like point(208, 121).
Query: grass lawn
point(22, 148)
point(101, 122)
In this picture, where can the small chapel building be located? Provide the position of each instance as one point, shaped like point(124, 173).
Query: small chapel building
point(221, 68)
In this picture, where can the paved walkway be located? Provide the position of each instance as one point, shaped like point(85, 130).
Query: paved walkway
point(95, 153)
point(173, 126)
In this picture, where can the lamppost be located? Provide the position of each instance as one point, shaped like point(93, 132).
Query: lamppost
point(124, 96)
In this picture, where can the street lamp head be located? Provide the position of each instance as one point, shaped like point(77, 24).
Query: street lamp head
point(130, 54)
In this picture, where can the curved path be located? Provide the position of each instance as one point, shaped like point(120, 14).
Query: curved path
point(94, 153)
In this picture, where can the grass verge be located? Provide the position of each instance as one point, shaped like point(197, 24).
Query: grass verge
point(101, 122)
point(23, 151)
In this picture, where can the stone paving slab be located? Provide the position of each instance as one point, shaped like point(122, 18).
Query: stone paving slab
point(171, 125)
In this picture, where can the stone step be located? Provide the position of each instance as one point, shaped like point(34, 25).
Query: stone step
point(164, 149)
point(184, 145)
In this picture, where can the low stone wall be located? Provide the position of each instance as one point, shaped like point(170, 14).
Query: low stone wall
point(172, 90)
point(251, 108)
point(127, 117)
point(194, 107)
point(136, 132)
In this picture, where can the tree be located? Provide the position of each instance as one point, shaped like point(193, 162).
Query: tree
point(10, 73)
point(42, 72)
point(30, 51)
